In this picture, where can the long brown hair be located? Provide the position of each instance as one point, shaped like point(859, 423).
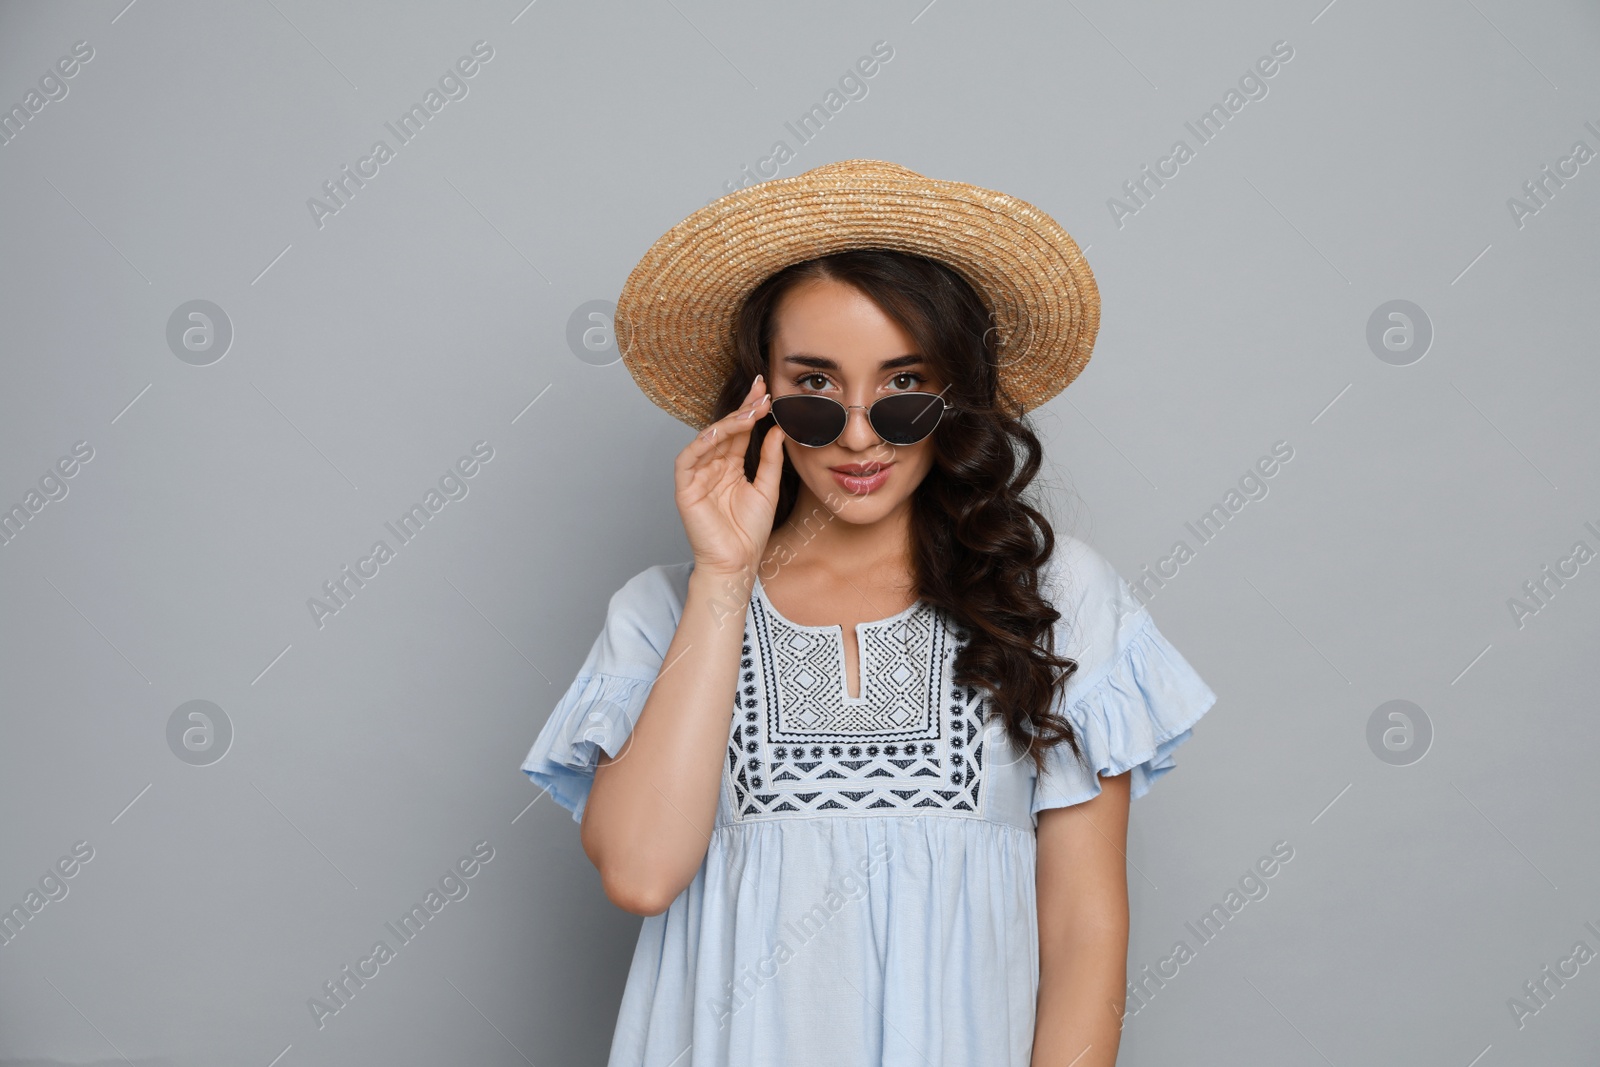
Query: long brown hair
point(978, 543)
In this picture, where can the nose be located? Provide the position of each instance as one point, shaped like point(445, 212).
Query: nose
point(858, 433)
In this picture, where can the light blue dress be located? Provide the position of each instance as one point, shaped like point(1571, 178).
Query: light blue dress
point(867, 898)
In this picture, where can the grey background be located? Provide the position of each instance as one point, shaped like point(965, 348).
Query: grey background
point(432, 312)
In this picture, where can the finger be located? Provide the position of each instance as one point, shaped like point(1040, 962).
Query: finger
point(770, 467)
point(715, 452)
point(733, 425)
point(714, 433)
point(754, 397)
point(755, 400)
point(692, 452)
point(750, 396)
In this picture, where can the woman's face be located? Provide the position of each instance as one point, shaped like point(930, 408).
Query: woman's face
point(832, 340)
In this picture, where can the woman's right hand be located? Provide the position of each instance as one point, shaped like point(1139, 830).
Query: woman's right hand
point(727, 517)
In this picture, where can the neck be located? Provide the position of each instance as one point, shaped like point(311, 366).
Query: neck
point(813, 535)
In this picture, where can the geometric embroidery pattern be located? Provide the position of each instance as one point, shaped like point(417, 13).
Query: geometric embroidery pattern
point(800, 746)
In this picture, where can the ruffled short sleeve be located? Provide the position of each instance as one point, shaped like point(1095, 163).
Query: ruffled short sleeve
point(601, 706)
point(1133, 699)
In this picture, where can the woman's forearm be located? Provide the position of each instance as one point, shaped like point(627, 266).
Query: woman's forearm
point(648, 820)
point(1082, 986)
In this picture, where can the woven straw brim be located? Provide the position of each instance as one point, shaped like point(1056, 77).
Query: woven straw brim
point(675, 317)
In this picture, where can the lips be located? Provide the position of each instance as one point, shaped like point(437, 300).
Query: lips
point(861, 479)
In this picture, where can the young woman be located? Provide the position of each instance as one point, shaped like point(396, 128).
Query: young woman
point(864, 762)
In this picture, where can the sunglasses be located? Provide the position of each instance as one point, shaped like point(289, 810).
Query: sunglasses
point(899, 418)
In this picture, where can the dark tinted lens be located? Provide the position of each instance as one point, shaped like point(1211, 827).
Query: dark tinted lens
point(907, 418)
point(810, 420)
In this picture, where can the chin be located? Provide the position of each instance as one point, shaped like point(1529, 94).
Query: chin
point(859, 512)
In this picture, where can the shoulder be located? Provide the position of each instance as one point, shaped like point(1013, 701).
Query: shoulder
point(658, 580)
point(655, 595)
point(641, 619)
point(1133, 698)
point(1100, 614)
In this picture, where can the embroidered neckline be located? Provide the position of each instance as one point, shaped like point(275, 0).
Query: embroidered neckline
point(900, 623)
point(799, 746)
point(761, 591)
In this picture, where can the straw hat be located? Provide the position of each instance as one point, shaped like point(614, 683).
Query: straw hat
point(676, 313)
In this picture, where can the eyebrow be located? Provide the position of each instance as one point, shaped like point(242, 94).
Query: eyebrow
point(806, 359)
